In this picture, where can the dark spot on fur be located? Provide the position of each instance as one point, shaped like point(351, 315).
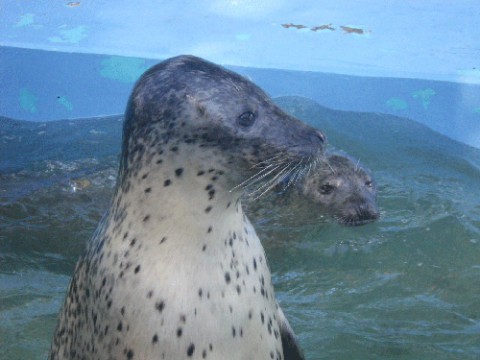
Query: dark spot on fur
point(190, 349)
point(167, 182)
point(208, 209)
point(211, 194)
point(147, 190)
point(209, 230)
point(179, 332)
point(200, 173)
point(160, 306)
point(179, 172)
point(227, 277)
point(137, 269)
point(146, 218)
point(155, 339)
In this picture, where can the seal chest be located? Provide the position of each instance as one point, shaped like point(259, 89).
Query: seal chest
point(175, 269)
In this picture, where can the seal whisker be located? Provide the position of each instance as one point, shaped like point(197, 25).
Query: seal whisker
point(287, 175)
point(256, 177)
point(310, 163)
point(293, 179)
point(302, 171)
point(269, 184)
point(277, 159)
point(331, 168)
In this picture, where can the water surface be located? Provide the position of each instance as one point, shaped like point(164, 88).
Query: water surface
point(405, 287)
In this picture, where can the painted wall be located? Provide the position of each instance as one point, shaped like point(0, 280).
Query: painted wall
point(41, 86)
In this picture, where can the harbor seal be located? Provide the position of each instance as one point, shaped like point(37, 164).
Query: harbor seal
point(342, 189)
point(338, 188)
point(175, 270)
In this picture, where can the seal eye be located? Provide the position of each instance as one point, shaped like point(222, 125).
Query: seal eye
point(246, 119)
point(369, 183)
point(326, 189)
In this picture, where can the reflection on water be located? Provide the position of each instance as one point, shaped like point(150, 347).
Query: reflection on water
point(406, 287)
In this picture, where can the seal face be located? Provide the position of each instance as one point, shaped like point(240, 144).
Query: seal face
point(343, 189)
point(175, 270)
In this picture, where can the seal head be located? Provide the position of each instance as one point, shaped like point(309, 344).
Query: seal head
point(343, 189)
point(187, 100)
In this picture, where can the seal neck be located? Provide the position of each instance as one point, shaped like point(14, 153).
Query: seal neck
point(179, 186)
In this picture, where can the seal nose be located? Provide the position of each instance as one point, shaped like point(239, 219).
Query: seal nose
point(368, 212)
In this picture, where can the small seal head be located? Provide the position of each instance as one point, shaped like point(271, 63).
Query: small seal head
point(344, 190)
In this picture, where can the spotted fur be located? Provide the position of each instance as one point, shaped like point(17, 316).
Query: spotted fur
point(175, 270)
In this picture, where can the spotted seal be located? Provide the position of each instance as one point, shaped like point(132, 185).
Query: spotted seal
point(343, 189)
point(175, 270)
point(338, 188)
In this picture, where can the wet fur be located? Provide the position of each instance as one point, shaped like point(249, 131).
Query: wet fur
point(175, 270)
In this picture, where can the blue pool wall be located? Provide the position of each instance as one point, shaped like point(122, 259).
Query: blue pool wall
point(42, 85)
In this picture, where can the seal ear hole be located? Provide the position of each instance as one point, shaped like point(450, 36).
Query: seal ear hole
point(247, 119)
point(326, 189)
